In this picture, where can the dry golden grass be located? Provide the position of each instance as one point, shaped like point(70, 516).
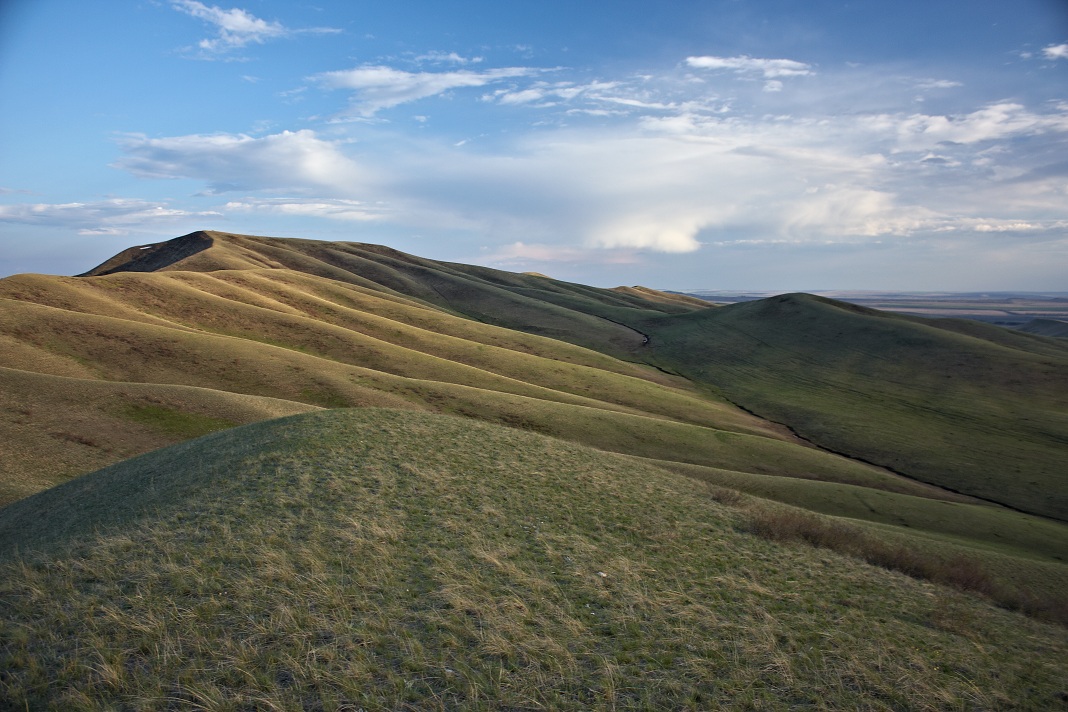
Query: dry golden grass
point(55, 427)
point(307, 339)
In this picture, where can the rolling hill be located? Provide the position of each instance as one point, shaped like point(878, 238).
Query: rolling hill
point(332, 560)
point(970, 407)
point(928, 447)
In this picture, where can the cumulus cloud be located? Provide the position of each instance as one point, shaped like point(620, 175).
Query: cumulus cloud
point(236, 28)
point(116, 216)
point(380, 87)
point(1059, 51)
point(767, 68)
point(288, 160)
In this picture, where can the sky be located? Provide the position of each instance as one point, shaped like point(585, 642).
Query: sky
point(779, 145)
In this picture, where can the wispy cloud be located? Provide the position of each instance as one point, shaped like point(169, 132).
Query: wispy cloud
point(938, 84)
point(992, 122)
point(116, 216)
point(438, 57)
point(648, 164)
point(284, 161)
point(1059, 51)
point(773, 71)
point(380, 87)
point(767, 68)
point(236, 28)
point(350, 210)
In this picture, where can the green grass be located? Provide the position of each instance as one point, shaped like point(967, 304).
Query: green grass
point(979, 524)
point(334, 561)
point(982, 412)
point(174, 422)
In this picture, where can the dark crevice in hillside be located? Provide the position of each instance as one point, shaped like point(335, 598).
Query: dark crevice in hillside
point(646, 339)
point(891, 470)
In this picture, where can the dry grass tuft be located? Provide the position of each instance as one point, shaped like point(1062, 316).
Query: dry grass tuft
point(959, 571)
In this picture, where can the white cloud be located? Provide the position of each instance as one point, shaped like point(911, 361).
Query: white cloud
point(772, 85)
point(835, 211)
point(521, 97)
point(1056, 51)
point(767, 68)
point(938, 84)
point(380, 87)
point(236, 28)
point(285, 161)
point(116, 216)
point(450, 57)
point(351, 210)
point(676, 171)
point(995, 121)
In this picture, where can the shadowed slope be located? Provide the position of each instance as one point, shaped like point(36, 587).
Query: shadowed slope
point(333, 559)
point(1047, 327)
point(967, 406)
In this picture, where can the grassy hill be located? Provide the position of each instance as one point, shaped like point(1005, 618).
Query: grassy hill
point(1055, 328)
point(967, 406)
point(332, 560)
point(952, 434)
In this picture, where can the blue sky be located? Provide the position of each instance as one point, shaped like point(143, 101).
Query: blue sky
point(723, 144)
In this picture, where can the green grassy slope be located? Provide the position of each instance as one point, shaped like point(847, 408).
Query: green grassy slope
point(1047, 327)
point(970, 407)
point(333, 561)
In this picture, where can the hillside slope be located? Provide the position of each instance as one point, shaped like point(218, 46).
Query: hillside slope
point(967, 406)
point(332, 561)
point(169, 341)
point(587, 316)
point(312, 341)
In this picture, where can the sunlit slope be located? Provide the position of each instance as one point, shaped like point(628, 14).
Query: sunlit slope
point(975, 408)
point(333, 560)
point(55, 427)
point(303, 339)
point(536, 304)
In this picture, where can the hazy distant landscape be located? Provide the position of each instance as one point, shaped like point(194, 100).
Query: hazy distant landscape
point(1011, 309)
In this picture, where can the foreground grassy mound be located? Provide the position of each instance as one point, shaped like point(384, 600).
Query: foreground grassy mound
point(396, 560)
